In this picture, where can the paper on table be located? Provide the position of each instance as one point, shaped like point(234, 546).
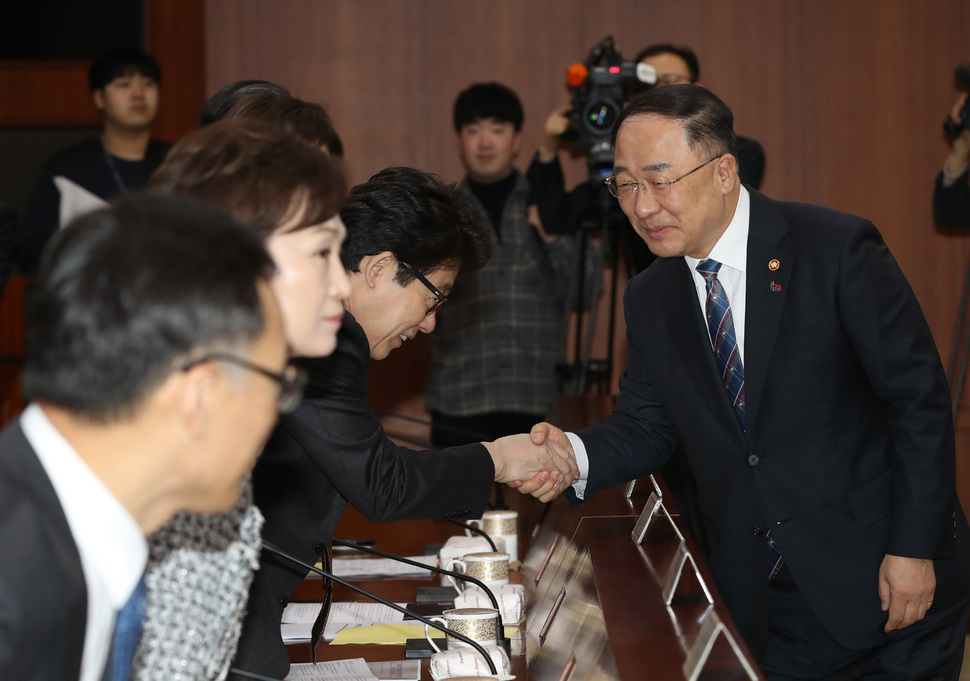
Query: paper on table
point(343, 612)
point(394, 670)
point(344, 670)
point(298, 618)
point(376, 567)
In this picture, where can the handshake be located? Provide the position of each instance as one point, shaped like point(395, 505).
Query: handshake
point(541, 463)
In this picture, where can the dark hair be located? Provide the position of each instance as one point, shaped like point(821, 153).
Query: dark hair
point(309, 121)
point(418, 218)
point(121, 62)
point(488, 100)
point(683, 52)
point(259, 172)
point(216, 107)
point(707, 121)
point(131, 292)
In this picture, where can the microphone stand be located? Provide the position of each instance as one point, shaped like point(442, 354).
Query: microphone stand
point(476, 530)
point(424, 620)
point(502, 640)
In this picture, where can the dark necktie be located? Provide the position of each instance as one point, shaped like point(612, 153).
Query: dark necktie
point(721, 327)
point(720, 324)
point(126, 634)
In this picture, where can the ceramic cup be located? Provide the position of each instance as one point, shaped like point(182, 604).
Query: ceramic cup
point(500, 525)
point(478, 624)
point(491, 567)
point(466, 662)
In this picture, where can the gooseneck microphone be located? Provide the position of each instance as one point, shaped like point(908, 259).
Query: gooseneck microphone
point(424, 620)
point(476, 530)
point(502, 641)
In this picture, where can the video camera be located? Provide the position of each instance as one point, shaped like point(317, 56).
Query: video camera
point(952, 128)
point(600, 87)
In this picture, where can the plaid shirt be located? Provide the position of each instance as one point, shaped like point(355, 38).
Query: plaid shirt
point(497, 341)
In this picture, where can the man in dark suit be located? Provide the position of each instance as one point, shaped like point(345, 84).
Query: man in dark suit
point(408, 234)
point(157, 365)
point(817, 421)
point(123, 83)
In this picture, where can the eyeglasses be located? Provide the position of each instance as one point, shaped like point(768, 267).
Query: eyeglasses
point(291, 382)
point(439, 297)
point(624, 188)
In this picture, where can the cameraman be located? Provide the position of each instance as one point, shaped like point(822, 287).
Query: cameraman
point(679, 65)
point(951, 195)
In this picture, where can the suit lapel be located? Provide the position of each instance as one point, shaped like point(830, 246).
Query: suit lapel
point(769, 270)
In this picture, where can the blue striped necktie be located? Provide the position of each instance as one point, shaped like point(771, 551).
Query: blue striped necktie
point(127, 632)
point(720, 325)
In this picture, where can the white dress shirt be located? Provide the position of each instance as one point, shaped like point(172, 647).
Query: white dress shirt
point(111, 544)
point(731, 250)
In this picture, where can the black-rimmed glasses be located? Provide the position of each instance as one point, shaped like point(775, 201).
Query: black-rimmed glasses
point(439, 297)
point(291, 381)
point(625, 188)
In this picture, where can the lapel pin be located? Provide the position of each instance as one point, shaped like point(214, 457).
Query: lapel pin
point(774, 288)
point(773, 264)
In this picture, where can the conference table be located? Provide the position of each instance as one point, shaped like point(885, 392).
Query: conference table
point(614, 589)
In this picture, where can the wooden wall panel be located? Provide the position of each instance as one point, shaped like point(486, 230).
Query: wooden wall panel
point(846, 97)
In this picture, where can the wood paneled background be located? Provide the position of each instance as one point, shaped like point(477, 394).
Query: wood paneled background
point(847, 98)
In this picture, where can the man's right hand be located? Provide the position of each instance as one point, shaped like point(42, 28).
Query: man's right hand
point(546, 487)
point(556, 124)
point(959, 157)
point(521, 457)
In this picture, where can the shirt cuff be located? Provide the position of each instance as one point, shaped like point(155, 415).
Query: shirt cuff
point(582, 462)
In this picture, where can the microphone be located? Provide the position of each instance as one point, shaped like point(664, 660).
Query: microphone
point(476, 530)
point(502, 641)
point(424, 620)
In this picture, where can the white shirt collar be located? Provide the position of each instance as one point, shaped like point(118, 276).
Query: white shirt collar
point(732, 248)
point(108, 538)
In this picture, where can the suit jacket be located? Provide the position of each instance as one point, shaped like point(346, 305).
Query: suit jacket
point(43, 596)
point(330, 451)
point(848, 453)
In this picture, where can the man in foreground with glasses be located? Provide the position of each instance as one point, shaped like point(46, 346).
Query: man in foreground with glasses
point(782, 346)
point(157, 364)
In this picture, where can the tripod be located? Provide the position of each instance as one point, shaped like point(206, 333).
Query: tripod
point(593, 210)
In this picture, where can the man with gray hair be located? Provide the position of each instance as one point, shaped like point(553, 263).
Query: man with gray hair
point(782, 346)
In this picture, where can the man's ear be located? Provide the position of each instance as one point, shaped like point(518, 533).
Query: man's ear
point(195, 395)
point(373, 267)
point(97, 96)
point(727, 172)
